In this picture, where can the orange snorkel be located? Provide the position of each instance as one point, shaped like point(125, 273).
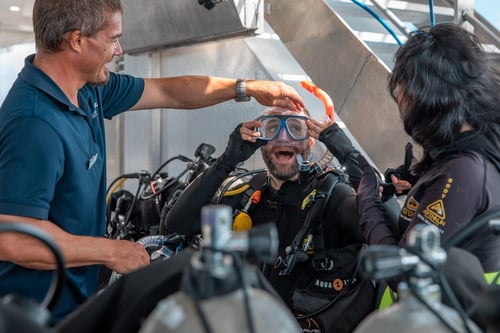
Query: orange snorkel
point(322, 95)
point(329, 111)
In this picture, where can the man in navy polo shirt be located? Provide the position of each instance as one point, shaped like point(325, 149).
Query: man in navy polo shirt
point(52, 145)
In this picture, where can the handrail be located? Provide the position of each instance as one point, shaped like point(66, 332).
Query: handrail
point(478, 24)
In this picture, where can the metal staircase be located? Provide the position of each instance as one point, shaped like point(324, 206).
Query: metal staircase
point(402, 17)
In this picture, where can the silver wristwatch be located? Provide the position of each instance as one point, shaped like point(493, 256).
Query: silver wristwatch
point(241, 95)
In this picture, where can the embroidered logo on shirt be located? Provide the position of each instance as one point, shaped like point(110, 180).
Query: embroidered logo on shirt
point(410, 208)
point(96, 108)
point(434, 212)
point(91, 161)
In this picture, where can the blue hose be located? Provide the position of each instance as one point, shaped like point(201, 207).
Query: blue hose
point(380, 19)
point(431, 13)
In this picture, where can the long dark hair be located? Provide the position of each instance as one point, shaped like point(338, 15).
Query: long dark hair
point(441, 80)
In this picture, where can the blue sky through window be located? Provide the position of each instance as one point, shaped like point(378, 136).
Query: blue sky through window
point(490, 10)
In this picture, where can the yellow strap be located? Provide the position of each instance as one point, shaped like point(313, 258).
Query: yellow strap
point(237, 191)
point(307, 199)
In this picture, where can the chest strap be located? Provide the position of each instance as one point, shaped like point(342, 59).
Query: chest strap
point(297, 251)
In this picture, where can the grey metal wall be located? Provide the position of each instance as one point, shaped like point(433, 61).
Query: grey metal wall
point(144, 139)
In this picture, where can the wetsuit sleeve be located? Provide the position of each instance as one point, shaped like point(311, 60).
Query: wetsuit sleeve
point(373, 222)
point(341, 217)
point(337, 142)
point(449, 198)
point(184, 217)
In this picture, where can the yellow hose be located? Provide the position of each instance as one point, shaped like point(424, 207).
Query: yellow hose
point(237, 191)
point(117, 185)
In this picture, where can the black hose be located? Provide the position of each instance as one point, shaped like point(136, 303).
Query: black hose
point(178, 157)
point(59, 275)
point(236, 178)
point(191, 290)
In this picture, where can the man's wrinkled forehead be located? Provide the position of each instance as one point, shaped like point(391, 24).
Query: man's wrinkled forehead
point(277, 111)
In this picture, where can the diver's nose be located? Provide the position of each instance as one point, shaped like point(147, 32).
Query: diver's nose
point(283, 135)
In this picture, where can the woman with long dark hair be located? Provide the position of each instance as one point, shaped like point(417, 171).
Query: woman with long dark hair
point(448, 96)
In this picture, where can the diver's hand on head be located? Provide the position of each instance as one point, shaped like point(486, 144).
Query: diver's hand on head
point(247, 131)
point(241, 145)
point(315, 127)
point(334, 138)
point(274, 93)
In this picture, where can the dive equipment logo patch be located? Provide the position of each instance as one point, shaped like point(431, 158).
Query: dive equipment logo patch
point(412, 204)
point(410, 207)
point(435, 212)
point(338, 284)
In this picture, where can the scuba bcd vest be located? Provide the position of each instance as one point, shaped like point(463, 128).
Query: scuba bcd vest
point(309, 241)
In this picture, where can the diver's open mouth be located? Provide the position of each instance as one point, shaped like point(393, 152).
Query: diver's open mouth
point(284, 155)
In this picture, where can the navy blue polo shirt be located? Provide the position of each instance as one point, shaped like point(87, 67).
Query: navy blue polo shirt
point(53, 167)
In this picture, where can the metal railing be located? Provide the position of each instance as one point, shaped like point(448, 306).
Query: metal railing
point(464, 15)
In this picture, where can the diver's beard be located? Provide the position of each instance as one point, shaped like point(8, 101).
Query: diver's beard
point(279, 173)
point(283, 174)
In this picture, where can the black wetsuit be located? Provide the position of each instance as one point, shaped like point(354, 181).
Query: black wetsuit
point(462, 183)
point(451, 194)
point(283, 207)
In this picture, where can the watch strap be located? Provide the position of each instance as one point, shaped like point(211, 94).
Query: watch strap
point(241, 94)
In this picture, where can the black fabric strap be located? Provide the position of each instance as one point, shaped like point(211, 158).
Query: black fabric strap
point(325, 189)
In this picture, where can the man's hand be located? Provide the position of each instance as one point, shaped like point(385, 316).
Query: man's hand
point(274, 93)
point(127, 256)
